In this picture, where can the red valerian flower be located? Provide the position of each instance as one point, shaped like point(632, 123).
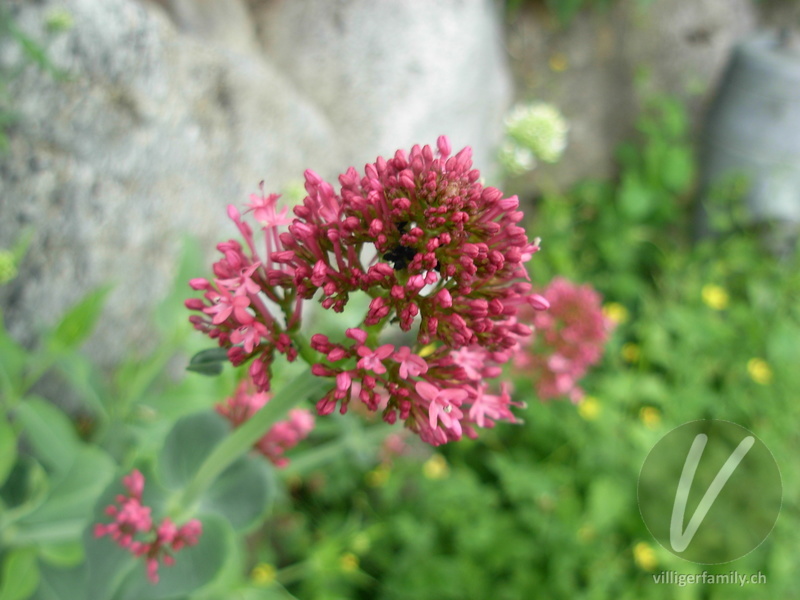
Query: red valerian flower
point(438, 254)
point(568, 339)
point(134, 529)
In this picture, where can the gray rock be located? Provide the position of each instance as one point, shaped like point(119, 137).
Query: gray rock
point(170, 112)
point(149, 138)
point(389, 74)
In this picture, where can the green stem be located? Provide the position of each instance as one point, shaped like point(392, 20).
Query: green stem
point(242, 439)
point(304, 349)
point(292, 573)
point(317, 457)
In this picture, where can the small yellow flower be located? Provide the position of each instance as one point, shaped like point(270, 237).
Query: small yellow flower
point(644, 556)
point(361, 543)
point(558, 62)
point(586, 533)
point(436, 467)
point(427, 350)
point(715, 296)
point(349, 562)
point(378, 476)
point(650, 416)
point(759, 371)
point(263, 574)
point(631, 352)
point(589, 408)
point(58, 20)
point(8, 267)
point(615, 312)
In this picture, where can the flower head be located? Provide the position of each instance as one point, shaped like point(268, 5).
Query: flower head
point(568, 339)
point(533, 131)
point(439, 255)
point(134, 529)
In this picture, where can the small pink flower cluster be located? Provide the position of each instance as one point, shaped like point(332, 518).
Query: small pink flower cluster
point(568, 339)
point(282, 436)
point(435, 251)
point(132, 522)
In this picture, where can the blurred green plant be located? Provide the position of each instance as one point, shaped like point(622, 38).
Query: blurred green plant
point(59, 469)
point(625, 229)
point(565, 11)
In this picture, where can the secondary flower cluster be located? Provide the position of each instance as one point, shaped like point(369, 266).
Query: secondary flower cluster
point(568, 339)
point(282, 436)
point(438, 254)
point(133, 528)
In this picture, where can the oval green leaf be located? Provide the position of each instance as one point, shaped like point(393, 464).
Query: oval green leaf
point(208, 362)
point(190, 441)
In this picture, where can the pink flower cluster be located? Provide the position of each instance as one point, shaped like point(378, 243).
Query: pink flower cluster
point(282, 436)
point(133, 523)
point(568, 339)
point(438, 254)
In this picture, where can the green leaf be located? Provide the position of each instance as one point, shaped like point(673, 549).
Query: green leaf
point(677, 168)
point(190, 441)
point(13, 359)
point(208, 362)
point(136, 376)
point(242, 494)
point(608, 503)
point(50, 433)
point(8, 448)
point(635, 199)
point(20, 575)
point(61, 584)
point(68, 508)
point(79, 322)
point(85, 377)
point(107, 566)
point(62, 554)
point(25, 489)
point(673, 118)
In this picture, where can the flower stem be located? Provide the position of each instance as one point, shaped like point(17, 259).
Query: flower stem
point(242, 439)
point(304, 349)
point(322, 455)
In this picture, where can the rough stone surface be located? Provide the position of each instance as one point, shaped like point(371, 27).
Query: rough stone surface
point(168, 114)
point(136, 148)
point(389, 73)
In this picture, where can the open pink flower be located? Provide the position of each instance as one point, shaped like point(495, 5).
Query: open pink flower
point(372, 360)
point(411, 365)
point(264, 210)
point(444, 405)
